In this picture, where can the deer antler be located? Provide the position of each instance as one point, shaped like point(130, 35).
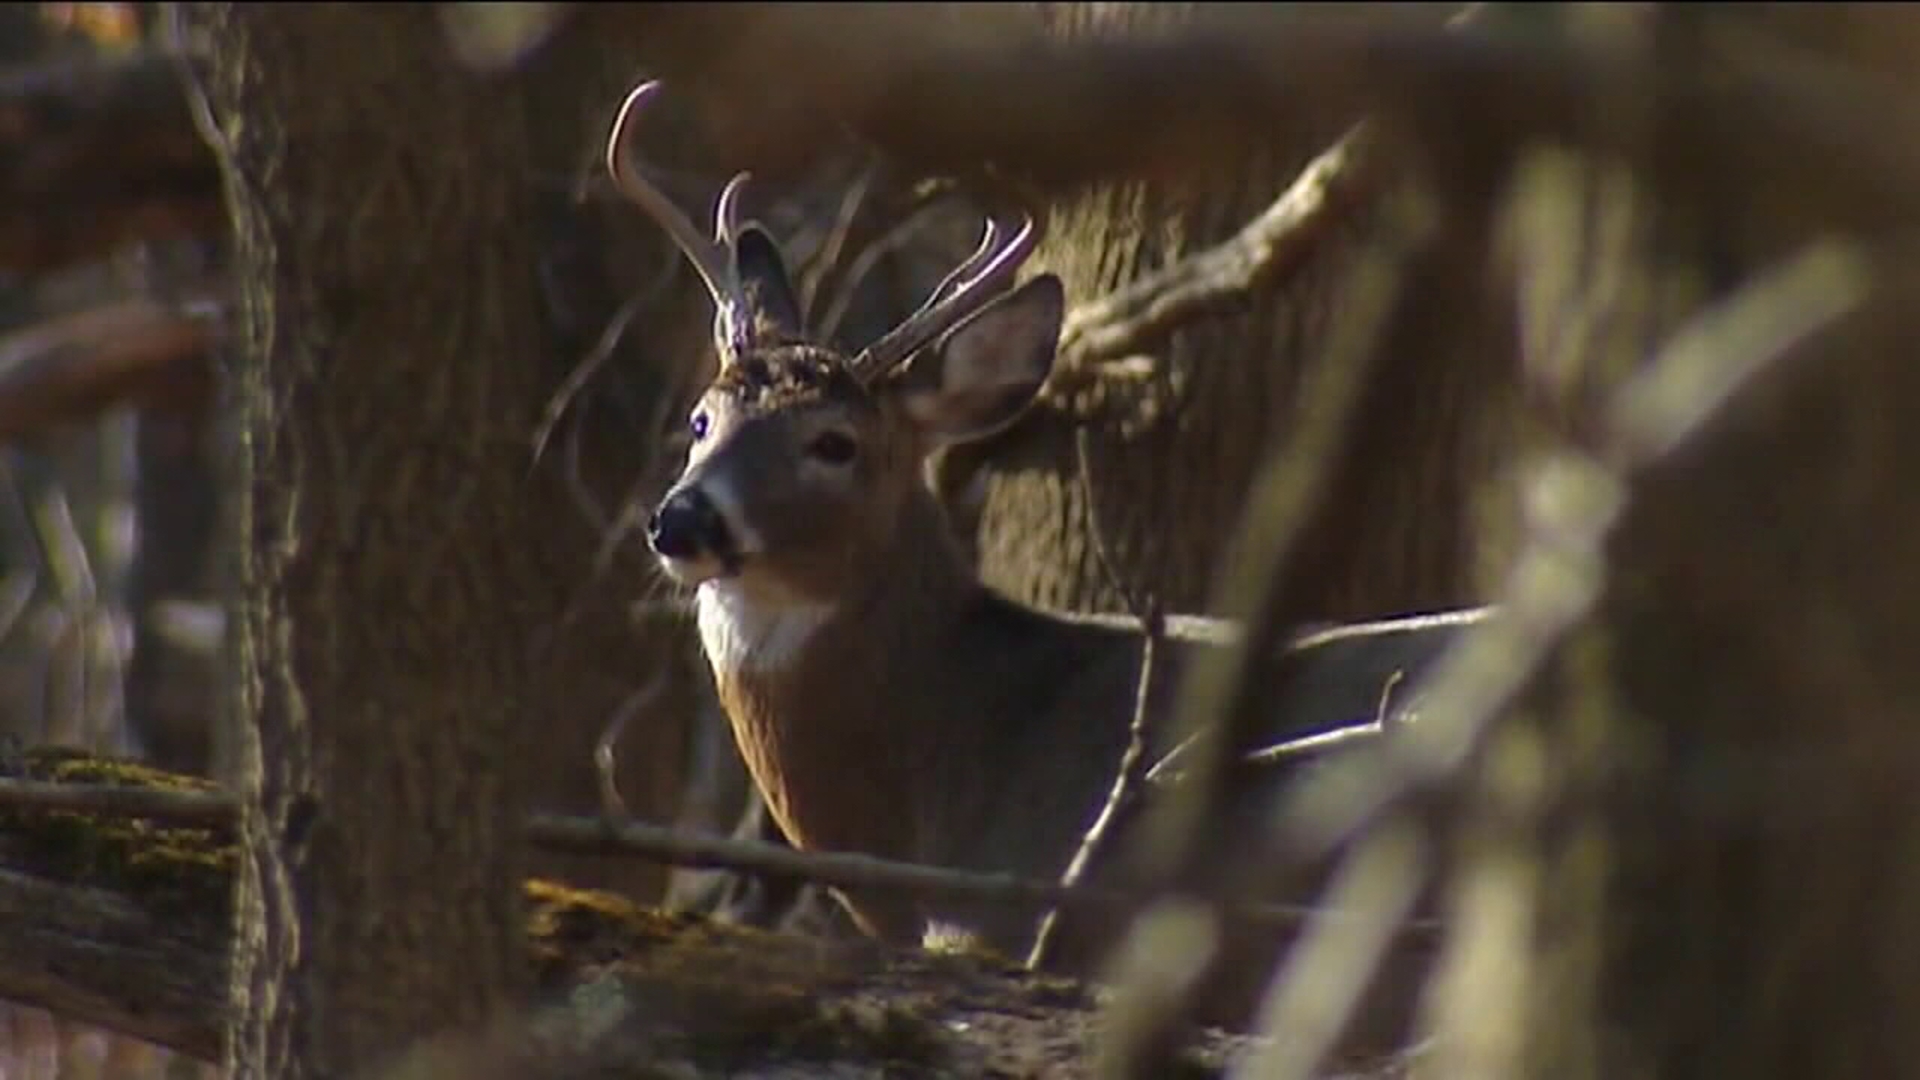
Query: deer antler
point(713, 259)
point(962, 292)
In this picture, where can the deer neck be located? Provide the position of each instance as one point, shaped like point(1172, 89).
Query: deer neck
point(820, 697)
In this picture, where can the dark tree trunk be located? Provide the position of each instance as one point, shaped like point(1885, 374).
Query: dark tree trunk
point(394, 559)
point(170, 686)
point(616, 640)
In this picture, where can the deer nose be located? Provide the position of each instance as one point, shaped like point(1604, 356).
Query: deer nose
point(688, 524)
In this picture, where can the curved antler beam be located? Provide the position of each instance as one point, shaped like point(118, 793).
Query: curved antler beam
point(712, 259)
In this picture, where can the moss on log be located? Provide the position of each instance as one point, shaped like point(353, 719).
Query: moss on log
point(122, 921)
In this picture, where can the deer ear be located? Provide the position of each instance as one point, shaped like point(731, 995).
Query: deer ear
point(763, 278)
point(984, 373)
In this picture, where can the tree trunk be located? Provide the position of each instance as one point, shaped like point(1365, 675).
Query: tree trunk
point(616, 646)
point(171, 687)
point(1171, 457)
point(394, 559)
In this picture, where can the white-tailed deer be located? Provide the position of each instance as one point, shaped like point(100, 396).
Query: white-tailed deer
point(884, 699)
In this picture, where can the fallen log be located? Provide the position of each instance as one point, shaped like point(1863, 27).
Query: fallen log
point(123, 921)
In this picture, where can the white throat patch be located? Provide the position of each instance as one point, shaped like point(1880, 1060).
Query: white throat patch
point(742, 635)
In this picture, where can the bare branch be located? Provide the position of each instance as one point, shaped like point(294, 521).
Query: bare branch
point(1121, 325)
point(68, 369)
point(1129, 772)
point(940, 94)
point(1221, 278)
point(603, 347)
point(605, 761)
point(896, 233)
point(833, 246)
point(584, 835)
point(844, 871)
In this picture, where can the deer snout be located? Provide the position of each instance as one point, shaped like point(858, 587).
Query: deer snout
point(689, 527)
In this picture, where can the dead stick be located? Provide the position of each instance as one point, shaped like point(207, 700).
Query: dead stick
point(580, 835)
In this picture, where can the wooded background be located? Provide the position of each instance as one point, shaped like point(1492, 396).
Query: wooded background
point(334, 377)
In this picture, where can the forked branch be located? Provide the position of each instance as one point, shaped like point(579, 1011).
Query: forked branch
point(1222, 278)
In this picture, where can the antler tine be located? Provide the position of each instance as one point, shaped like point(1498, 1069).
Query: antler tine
point(974, 282)
point(711, 258)
point(959, 274)
point(726, 215)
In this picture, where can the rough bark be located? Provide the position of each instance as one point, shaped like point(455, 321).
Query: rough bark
point(1171, 462)
point(110, 137)
point(392, 560)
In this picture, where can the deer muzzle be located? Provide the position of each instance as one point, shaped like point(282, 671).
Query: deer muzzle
point(691, 535)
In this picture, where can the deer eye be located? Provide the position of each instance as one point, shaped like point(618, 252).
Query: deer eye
point(698, 425)
point(833, 447)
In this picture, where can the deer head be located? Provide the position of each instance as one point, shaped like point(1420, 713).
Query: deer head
point(803, 458)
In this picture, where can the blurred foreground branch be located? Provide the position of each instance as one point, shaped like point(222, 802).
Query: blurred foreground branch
point(1573, 502)
point(68, 369)
point(102, 152)
point(96, 153)
point(946, 89)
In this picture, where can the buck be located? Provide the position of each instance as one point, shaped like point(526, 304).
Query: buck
point(884, 700)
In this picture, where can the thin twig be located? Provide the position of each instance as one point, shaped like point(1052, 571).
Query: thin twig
point(701, 850)
point(1166, 770)
point(895, 236)
point(603, 347)
point(844, 223)
point(583, 835)
point(575, 482)
point(1128, 774)
point(1215, 697)
point(605, 762)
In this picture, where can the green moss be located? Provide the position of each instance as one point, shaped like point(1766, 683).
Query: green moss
point(741, 994)
point(165, 864)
